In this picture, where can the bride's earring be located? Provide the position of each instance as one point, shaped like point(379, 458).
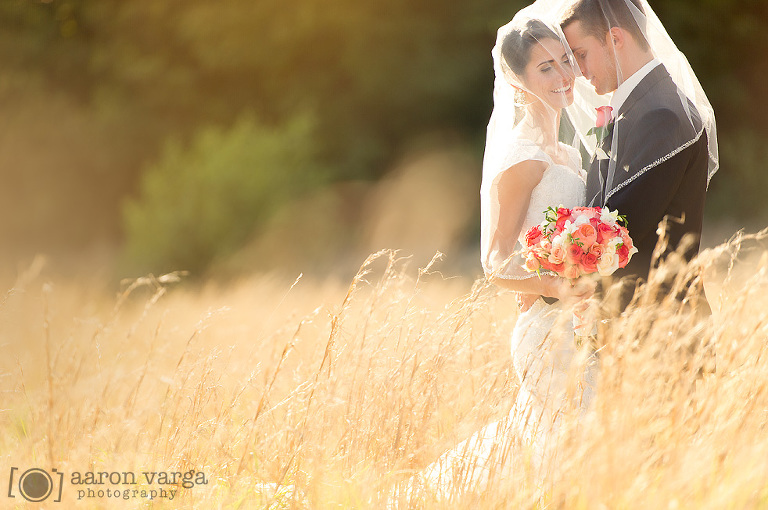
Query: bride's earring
point(521, 99)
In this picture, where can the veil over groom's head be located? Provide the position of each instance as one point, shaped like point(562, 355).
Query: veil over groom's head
point(597, 17)
point(609, 40)
point(656, 142)
point(612, 40)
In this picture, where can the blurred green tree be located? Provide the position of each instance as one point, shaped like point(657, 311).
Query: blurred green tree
point(204, 201)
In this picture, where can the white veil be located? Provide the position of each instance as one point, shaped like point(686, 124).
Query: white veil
point(645, 26)
point(509, 134)
point(523, 126)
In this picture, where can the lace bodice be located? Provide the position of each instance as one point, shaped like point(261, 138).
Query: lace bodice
point(560, 185)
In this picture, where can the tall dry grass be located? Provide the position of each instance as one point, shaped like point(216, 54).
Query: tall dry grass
point(317, 394)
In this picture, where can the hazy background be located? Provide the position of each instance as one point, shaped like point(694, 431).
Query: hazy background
point(223, 136)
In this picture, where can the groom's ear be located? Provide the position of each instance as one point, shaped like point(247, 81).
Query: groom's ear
point(616, 37)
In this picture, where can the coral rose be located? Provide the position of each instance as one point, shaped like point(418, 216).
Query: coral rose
point(586, 234)
point(574, 254)
point(533, 236)
point(589, 263)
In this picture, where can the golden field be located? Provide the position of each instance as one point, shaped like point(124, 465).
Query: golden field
point(326, 394)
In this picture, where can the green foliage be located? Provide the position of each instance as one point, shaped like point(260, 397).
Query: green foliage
point(202, 202)
point(377, 75)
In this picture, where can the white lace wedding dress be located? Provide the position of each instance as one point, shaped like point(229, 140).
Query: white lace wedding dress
point(554, 376)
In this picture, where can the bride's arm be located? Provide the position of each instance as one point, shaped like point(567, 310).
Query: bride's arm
point(550, 286)
point(515, 187)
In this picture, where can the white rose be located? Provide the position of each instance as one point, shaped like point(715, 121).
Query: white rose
point(608, 263)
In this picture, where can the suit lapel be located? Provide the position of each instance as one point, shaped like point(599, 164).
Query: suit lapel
point(651, 79)
point(657, 74)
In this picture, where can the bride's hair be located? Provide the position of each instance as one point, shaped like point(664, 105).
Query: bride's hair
point(598, 16)
point(518, 43)
point(516, 47)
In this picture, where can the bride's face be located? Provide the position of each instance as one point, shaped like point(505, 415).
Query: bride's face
point(549, 75)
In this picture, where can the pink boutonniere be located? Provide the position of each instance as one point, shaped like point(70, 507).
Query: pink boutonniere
point(602, 123)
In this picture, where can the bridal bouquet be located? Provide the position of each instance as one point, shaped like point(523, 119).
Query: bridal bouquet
point(577, 242)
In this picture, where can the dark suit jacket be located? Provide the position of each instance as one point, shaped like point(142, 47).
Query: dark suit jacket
point(660, 173)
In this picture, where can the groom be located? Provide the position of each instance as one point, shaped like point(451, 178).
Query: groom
point(652, 163)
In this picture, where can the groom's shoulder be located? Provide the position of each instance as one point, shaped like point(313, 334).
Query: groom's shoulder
point(663, 113)
point(657, 125)
point(664, 94)
point(659, 115)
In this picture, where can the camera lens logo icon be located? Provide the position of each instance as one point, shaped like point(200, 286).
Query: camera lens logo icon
point(34, 484)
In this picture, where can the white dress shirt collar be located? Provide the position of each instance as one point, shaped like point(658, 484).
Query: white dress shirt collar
point(625, 89)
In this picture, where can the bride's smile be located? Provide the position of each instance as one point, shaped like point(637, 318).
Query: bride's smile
point(549, 75)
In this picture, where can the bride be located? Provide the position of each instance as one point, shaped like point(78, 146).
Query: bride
point(527, 169)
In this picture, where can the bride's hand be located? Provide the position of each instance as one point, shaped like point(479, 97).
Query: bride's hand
point(526, 301)
point(569, 291)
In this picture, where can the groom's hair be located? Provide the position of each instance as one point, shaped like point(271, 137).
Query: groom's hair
point(597, 17)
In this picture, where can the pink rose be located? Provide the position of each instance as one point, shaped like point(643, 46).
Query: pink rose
point(625, 237)
point(557, 255)
point(605, 232)
point(596, 250)
point(572, 272)
point(531, 264)
point(604, 114)
point(589, 212)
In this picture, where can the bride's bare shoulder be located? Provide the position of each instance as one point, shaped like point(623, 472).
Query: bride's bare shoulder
point(525, 174)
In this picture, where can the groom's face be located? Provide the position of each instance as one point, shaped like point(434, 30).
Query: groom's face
point(596, 58)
